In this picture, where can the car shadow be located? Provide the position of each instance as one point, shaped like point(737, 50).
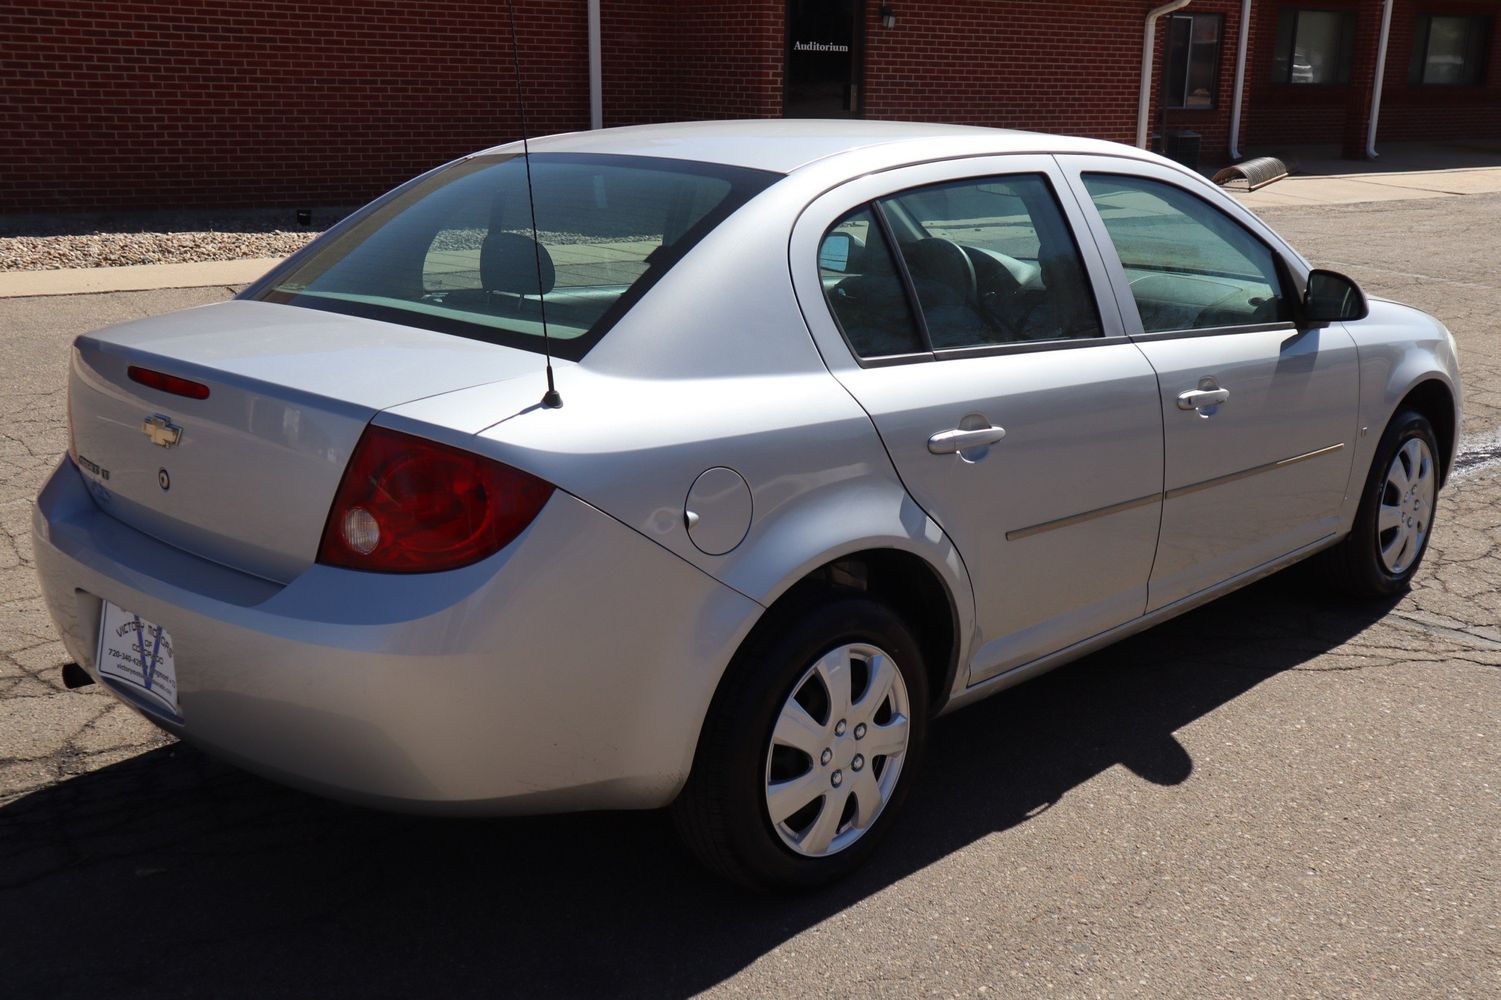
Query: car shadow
point(174, 875)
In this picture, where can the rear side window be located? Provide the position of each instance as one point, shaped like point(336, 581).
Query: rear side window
point(863, 289)
point(1191, 266)
point(993, 261)
point(454, 252)
point(989, 262)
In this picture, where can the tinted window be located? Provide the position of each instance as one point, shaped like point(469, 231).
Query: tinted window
point(1449, 50)
point(1190, 265)
point(863, 289)
point(1314, 46)
point(454, 252)
point(1191, 65)
point(993, 262)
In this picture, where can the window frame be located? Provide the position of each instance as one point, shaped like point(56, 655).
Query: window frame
point(1422, 34)
point(1073, 221)
point(1344, 60)
point(1292, 270)
point(826, 206)
point(1178, 102)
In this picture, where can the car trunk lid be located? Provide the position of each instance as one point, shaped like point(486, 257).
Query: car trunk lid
point(245, 476)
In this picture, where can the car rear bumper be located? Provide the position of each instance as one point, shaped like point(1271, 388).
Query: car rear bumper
point(572, 670)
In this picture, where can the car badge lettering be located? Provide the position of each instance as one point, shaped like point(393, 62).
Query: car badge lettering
point(162, 431)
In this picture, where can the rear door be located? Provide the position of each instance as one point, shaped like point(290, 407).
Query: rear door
point(955, 304)
point(1259, 414)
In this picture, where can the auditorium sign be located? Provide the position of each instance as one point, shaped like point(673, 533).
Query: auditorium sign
point(825, 64)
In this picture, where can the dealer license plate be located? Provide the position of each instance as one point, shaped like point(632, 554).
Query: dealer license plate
point(137, 655)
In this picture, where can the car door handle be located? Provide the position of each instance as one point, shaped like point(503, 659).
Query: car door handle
point(1197, 399)
point(949, 442)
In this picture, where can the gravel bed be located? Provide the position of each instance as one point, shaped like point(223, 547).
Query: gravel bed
point(44, 253)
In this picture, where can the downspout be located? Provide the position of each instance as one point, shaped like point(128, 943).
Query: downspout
point(1386, 27)
point(596, 70)
point(1148, 43)
point(1240, 78)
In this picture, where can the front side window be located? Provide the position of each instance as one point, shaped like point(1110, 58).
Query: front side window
point(1449, 50)
point(455, 252)
point(1190, 266)
point(1314, 46)
point(1192, 66)
point(992, 261)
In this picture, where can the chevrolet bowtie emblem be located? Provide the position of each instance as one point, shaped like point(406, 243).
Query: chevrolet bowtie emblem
point(162, 431)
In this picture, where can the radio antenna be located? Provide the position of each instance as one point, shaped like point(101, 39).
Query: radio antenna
point(551, 398)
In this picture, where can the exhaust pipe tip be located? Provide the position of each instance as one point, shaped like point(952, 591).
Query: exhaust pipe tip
point(75, 676)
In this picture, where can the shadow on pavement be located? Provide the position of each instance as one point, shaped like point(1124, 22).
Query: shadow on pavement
point(174, 875)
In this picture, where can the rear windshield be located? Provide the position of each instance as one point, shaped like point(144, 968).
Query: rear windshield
point(454, 252)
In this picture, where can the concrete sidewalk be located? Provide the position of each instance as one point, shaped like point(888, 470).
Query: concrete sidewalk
point(1402, 171)
point(1343, 189)
point(133, 278)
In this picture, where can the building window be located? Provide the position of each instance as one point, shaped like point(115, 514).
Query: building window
point(1314, 46)
point(1192, 71)
point(1449, 50)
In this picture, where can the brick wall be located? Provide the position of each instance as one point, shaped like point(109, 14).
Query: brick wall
point(1071, 66)
point(107, 104)
point(1457, 112)
point(186, 103)
point(1290, 114)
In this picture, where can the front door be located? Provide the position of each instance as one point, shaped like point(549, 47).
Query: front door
point(825, 58)
point(961, 314)
point(1258, 413)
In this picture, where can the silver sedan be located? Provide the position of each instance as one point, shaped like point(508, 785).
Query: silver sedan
point(703, 465)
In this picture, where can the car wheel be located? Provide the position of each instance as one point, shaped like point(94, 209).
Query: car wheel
point(809, 747)
point(1395, 520)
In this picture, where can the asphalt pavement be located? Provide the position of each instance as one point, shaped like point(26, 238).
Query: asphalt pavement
point(1280, 795)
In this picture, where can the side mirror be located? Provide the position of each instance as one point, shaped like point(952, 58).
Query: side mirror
point(834, 253)
point(1332, 297)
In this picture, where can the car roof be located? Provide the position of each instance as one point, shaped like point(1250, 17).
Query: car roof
point(784, 145)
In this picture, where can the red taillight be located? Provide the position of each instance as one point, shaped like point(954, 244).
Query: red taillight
point(410, 505)
point(175, 384)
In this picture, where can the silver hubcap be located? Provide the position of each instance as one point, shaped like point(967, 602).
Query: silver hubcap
point(1406, 511)
point(837, 750)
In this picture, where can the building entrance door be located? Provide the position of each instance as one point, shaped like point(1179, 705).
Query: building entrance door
point(825, 58)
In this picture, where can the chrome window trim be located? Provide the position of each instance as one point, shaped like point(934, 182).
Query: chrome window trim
point(1217, 331)
point(1024, 347)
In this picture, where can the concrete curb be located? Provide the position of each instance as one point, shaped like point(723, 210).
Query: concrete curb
point(134, 278)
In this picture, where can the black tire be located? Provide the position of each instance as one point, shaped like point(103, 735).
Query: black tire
point(1355, 565)
point(722, 814)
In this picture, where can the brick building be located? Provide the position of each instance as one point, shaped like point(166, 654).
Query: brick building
point(218, 103)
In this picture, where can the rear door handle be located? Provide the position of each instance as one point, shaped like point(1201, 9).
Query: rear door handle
point(949, 442)
point(1197, 399)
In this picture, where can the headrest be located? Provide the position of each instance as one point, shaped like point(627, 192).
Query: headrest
point(508, 263)
point(944, 263)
